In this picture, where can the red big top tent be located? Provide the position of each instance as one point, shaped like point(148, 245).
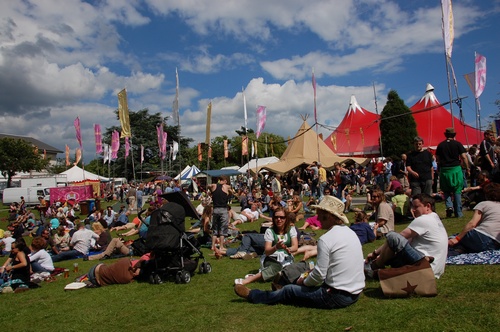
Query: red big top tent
point(358, 133)
point(432, 124)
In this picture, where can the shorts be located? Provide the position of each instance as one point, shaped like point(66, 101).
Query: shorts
point(220, 221)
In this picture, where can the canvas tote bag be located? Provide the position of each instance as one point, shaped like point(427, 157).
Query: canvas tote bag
point(415, 279)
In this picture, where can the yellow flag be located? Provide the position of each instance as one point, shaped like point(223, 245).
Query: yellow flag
point(123, 114)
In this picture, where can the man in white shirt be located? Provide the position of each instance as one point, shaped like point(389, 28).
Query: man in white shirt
point(80, 243)
point(247, 215)
point(425, 237)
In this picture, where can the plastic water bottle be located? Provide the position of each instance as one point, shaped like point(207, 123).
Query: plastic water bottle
point(311, 265)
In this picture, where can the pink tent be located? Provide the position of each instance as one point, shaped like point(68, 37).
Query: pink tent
point(432, 123)
point(358, 133)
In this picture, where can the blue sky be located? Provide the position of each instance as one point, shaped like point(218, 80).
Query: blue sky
point(68, 58)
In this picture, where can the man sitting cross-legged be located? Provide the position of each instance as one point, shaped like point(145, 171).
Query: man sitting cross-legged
point(425, 237)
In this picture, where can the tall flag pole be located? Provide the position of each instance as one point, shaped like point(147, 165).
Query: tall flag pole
point(448, 36)
point(315, 112)
point(245, 141)
point(207, 134)
point(175, 105)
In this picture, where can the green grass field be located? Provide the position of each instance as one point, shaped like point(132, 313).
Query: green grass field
point(468, 300)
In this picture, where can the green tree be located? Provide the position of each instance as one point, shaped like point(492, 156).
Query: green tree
point(143, 126)
point(397, 127)
point(17, 155)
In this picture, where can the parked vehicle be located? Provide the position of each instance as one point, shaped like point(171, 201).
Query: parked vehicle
point(58, 180)
point(30, 195)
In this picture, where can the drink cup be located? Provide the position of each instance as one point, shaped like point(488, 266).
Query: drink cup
point(75, 267)
point(66, 273)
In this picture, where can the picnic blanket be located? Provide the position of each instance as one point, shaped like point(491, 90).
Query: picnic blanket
point(480, 258)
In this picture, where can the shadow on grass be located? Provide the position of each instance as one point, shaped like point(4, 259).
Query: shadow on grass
point(374, 293)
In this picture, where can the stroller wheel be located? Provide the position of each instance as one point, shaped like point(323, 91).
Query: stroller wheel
point(205, 267)
point(155, 279)
point(178, 277)
point(185, 277)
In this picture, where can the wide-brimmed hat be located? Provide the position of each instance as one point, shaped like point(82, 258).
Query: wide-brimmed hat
point(334, 206)
point(450, 131)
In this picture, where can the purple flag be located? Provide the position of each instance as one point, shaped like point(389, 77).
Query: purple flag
point(115, 144)
point(261, 119)
point(480, 74)
point(78, 131)
point(127, 147)
point(98, 138)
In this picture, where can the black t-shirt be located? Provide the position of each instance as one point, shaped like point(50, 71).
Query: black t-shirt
point(420, 162)
point(449, 152)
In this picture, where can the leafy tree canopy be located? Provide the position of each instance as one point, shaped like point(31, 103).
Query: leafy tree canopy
point(17, 155)
point(397, 127)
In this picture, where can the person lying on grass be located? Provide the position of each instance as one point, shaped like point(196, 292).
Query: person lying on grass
point(337, 279)
point(123, 271)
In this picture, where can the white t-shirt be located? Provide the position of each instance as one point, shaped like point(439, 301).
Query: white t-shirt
point(432, 240)
point(255, 215)
point(43, 258)
point(340, 261)
point(7, 241)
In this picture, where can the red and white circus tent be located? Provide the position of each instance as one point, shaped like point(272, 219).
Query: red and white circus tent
point(358, 133)
point(432, 121)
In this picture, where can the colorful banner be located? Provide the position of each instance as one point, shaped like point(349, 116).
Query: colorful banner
point(163, 144)
point(98, 138)
point(226, 151)
point(115, 145)
point(200, 155)
point(245, 110)
point(67, 155)
point(159, 134)
point(107, 152)
point(261, 119)
point(127, 147)
point(480, 74)
point(175, 149)
point(123, 114)
point(78, 156)
point(448, 30)
point(142, 153)
point(76, 123)
point(244, 145)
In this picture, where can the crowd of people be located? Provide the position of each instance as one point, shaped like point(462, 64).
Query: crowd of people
point(312, 197)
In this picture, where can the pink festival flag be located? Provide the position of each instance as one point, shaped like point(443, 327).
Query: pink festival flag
point(314, 89)
point(127, 147)
point(159, 134)
point(142, 153)
point(164, 145)
point(480, 74)
point(98, 138)
point(115, 144)
point(76, 123)
point(261, 119)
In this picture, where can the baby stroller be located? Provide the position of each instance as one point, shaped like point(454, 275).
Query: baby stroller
point(176, 254)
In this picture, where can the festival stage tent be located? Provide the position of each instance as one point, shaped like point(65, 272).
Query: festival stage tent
point(255, 164)
point(433, 119)
point(357, 135)
point(77, 174)
point(303, 149)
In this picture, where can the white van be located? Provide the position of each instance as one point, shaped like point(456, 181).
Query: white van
point(30, 195)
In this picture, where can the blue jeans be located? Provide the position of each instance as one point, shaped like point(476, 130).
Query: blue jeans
point(91, 275)
point(475, 241)
point(405, 254)
point(65, 255)
point(456, 204)
point(251, 242)
point(36, 267)
point(323, 297)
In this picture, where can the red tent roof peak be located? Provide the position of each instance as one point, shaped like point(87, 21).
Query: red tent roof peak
point(354, 106)
point(429, 97)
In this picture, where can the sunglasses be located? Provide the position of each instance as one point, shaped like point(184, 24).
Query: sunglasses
point(279, 217)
